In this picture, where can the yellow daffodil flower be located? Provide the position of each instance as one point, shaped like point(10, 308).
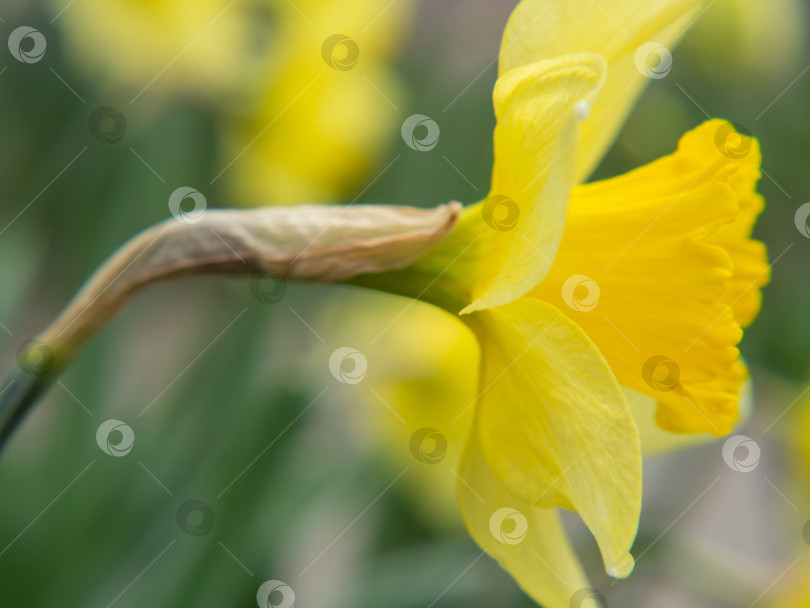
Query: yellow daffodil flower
point(641, 281)
point(579, 295)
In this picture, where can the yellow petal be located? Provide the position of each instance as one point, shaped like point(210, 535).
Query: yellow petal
point(541, 29)
point(749, 257)
point(657, 440)
point(554, 425)
point(515, 233)
point(529, 542)
point(654, 266)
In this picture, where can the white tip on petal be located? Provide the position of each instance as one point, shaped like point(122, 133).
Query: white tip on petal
point(582, 109)
point(623, 568)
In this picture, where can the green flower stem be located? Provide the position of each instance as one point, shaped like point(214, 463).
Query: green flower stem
point(20, 392)
point(416, 285)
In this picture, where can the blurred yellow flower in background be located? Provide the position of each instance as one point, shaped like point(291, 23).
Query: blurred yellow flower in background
point(423, 377)
point(320, 119)
point(750, 39)
point(793, 589)
point(304, 96)
point(177, 48)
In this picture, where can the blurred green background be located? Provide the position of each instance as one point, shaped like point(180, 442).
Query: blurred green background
point(236, 414)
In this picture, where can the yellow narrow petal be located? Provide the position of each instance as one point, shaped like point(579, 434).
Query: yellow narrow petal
point(541, 29)
point(516, 231)
point(554, 425)
point(655, 265)
point(529, 542)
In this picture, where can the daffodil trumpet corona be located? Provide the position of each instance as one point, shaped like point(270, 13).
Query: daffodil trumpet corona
point(586, 298)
